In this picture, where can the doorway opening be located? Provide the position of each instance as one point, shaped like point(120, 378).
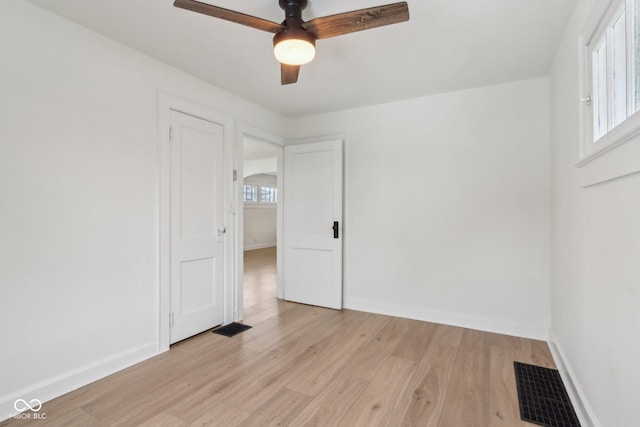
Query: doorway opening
point(260, 214)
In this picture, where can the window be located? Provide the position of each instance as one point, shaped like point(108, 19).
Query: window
point(268, 195)
point(611, 78)
point(250, 193)
point(611, 87)
point(256, 193)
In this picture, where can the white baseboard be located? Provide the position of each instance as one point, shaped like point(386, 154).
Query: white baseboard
point(68, 381)
point(583, 409)
point(447, 318)
point(259, 246)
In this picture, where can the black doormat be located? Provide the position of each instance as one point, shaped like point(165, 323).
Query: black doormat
point(231, 329)
point(543, 398)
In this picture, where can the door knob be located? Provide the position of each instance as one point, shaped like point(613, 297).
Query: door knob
point(221, 230)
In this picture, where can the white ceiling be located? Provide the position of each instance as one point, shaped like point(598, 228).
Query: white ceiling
point(447, 45)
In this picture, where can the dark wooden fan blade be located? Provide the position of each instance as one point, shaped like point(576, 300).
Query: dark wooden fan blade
point(289, 73)
point(229, 15)
point(357, 20)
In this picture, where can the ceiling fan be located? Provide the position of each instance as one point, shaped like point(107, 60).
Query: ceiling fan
point(294, 40)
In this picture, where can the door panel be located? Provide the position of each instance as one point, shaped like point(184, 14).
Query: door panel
point(312, 202)
point(196, 279)
point(198, 158)
point(311, 190)
point(197, 214)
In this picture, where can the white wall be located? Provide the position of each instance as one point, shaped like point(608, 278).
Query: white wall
point(254, 167)
point(447, 206)
point(260, 220)
point(595, 298)
point(79, 200)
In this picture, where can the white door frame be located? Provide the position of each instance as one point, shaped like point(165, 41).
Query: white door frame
point(244, 131)
point(166, 104)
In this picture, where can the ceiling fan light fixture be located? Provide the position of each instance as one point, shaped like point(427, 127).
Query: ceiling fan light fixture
point(294, 47)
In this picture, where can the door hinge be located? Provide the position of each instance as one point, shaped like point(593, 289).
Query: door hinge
point(170, 133)
point(235, 175)
point(171, 319)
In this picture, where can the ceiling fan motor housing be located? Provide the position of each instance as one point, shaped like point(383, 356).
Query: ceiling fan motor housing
point(293, 18)
point(293, 6)
point(297, 33)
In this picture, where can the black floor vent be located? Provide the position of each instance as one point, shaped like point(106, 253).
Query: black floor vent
point(231, 329)
point(543, 398)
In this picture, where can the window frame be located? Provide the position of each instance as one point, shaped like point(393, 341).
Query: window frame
point(257, 192)
point(259, 202)
point(597, 29)
point(270, 187)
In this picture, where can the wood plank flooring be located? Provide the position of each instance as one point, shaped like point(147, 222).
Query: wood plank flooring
point(308, 366)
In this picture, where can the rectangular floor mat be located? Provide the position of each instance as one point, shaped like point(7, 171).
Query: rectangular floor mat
point(543, 398)
point(231, 329)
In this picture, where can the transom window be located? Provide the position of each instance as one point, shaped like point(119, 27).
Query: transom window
point(611, 80)
point(268, 194)
point(250, 193)
point(253, 193)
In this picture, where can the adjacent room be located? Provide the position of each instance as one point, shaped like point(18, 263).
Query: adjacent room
point(260, 222)
point(409, 207)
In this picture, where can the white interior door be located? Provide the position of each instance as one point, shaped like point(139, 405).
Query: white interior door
point(313, 223)
point(197, 225)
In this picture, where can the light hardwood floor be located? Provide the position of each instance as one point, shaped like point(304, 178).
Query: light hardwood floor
point(307, 366)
